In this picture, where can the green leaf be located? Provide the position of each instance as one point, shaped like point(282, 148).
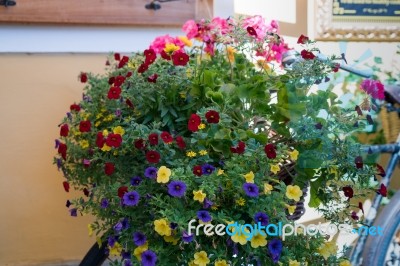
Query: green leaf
point(223, 133)
point(314, 200)
point(377, 60)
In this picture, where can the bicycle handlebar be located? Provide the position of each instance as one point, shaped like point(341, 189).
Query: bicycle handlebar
point(383, 148)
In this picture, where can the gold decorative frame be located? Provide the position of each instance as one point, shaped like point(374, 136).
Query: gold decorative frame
point(361, 29)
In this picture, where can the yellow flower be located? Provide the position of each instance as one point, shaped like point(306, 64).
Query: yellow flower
point(105, 132)
point(116, 249)
point(199, 195)
point(345, 263)
point(186, 41)
point(163, 174)
point(240, 238)
point(182, 95)
point(240, 201)
point(98, 116)
point(231, 53)
point(263, 65)
point(220, 172)
point(268, 188)
point(293, 192)
point(161, 226)
point(202, 126)
point(275, 168)
point(97, 124)
point(98, 241)
point(106, 148)
point(191, 154)
point(119, 130)
point(291, 208)
point(294, 263)
point(293, 155)
point(76, 132)
point(203, 152)
point(84, 144)
point(139, 250)
point(191, 263)
point(201, 258)
point(258, 241)
point(249, 177)
point(108, 118)
point(221, 263)
point(170, 48)
point(328, 249)
point(90, 229)
point(171, 239)
point(214, 207)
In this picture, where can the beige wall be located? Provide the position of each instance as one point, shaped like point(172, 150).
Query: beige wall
point(35, 93)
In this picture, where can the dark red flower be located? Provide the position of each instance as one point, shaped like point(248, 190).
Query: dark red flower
point(240, 148)
point(108, 63)
point(129, 74)
point(336, 67)
point(348, 191)
point(354, 215)
point(85, 126)
point(64, 130)
point(180, 58)
point(142, 68)
point(165, 56)
point(303, 39)
point(153, 139)
point(152, 156)
point(129, 103)
point(212, 117)
point(123, 61)
point(66, 186)
point(251, 31)
point(62, 149)
point(318, 126)
point(382, 190)
point(122, 190)
point(359, 162)
point(360, 205)
point(358, 110)
point(152, 78)
point(111, 80)
point(139, 144)
point(307, 55)
point(270, 151)
point(166, 137)
point(117, 56)
point(83, 77)
point(114, 140)
point(194, 122)
point(114, 93)
point(109, 168)
point(180, 142)
point(197, 170)
point(381, 171)
point(100, 140)
point(150, 55)
point(75, 107)
point(86, 192)
point(119, 80)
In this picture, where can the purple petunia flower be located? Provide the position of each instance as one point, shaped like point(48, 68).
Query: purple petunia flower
point(104, 203)
point(57, 144)
point(86, 162)
point(128, 262)
point(111, 240)
point(149, 258)
point(59, 163)
point(118, 227)
point(177, 188)
point(261, 217)
point(131, 198)
point(139, 238)
point(186, 237)
point(204, 216)
point(118, 112)
point(69, 115)
point(207, 203)
point(250, 189)
point(73, 212)
point(135, 181)
point(125, 223)
point(150, 172)
point(275, 249)
point(207, 169)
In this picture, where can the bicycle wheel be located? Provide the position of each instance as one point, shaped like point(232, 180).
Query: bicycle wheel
point(384, 250)
point(95, 256)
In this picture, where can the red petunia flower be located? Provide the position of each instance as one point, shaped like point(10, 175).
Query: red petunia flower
point(100, 140)
point(111, 80)
point(251, 31)
point(336, 67)
point(114, 93)
point(307, 55)
point(75, 107)
point(143, 68)
point(381, 171)
point(165, 56)
point(270, 151)
point(64, 130)
point(122, 190)
point(354, 215)
point(109, 168)
point(303, 39)
point(129, 103)
point(139, 144)
point(62, 149)
point(348, 191)
point(123, 61)
point(153, 139)
point(85, 126)
point(129, 74)
point(194, 122)
point(86, 192)
point(197, 170)
point(212, 117)
point(83, 77)
point(374, 88)
point(114, 140)
point(119, 80)
point(180, 58)
point(382, 190)
point(150, 55)
point(66, 186)
point(180, 142)
point(358, 162)
point(166, 137)
point(152, 78)
point(360, 206)
point(152, 156)
point(240, 148)
point(117, 56)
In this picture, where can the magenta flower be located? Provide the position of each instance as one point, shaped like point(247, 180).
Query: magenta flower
point(374, 88)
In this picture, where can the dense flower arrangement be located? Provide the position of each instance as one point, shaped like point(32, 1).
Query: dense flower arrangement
point(211, 127)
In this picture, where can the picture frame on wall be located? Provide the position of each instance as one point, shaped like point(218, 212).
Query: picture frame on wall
point(357, 20)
